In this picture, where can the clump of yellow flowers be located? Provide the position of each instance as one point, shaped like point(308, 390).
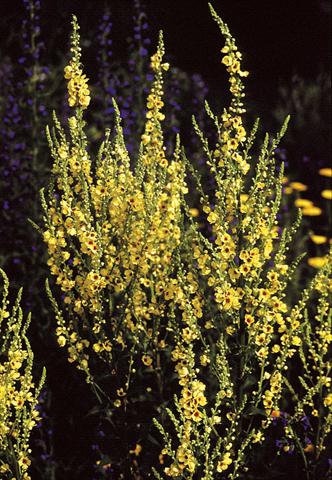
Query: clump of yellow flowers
point(246, 335)
point(139, 276)
point(112, 230)
point(18, 392)
point(312, 396)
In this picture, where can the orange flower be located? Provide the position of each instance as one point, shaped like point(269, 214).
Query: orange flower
point(312, 211)
point(310, 448)
point(300, 187)
point(325, 172)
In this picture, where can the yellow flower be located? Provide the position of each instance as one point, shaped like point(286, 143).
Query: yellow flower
point(204, 360)
point(318, 239)
point(296, 340)
point(61, 341)
point(224, 463)
point(79, 94)
point(303, 203)
point(327, 194)
point(317, 262)
point(194, 212)
point(24, 461)
point(249, 319)
point(328, 400)
point(298, 186)
point(147, 360)
point(212, 217)
point(227, 60)
point(69, 72)
point(120, 392)
point(258, 437)
point(312, 211)
point(325, 172)
point(137, 450)
point(4, 468)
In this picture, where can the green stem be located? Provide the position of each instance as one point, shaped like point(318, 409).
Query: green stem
point(298, 443)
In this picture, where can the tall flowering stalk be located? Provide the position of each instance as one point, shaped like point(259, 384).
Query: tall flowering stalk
point(232, 355)
point(308, 424)
point(18, 392)
point(112, 233)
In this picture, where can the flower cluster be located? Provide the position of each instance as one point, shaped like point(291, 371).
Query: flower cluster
point(313, 398)
point(242, 268)
point(18, 392)
point(112, 233)
point(78, 90)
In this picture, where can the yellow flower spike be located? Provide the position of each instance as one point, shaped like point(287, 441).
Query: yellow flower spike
point(327, 194)
point(152, 138)
point(317, 262)
point(318, 239)
point(325, 172)
point(232, 60)
point(78, 90)
point(298, 186)
point(18, 393)
point(312, 211)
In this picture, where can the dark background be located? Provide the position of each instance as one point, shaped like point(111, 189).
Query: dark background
point(277, 38)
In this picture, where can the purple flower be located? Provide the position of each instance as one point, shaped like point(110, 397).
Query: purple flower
point(305, 422)
point(143, 52)
point(279, 443)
